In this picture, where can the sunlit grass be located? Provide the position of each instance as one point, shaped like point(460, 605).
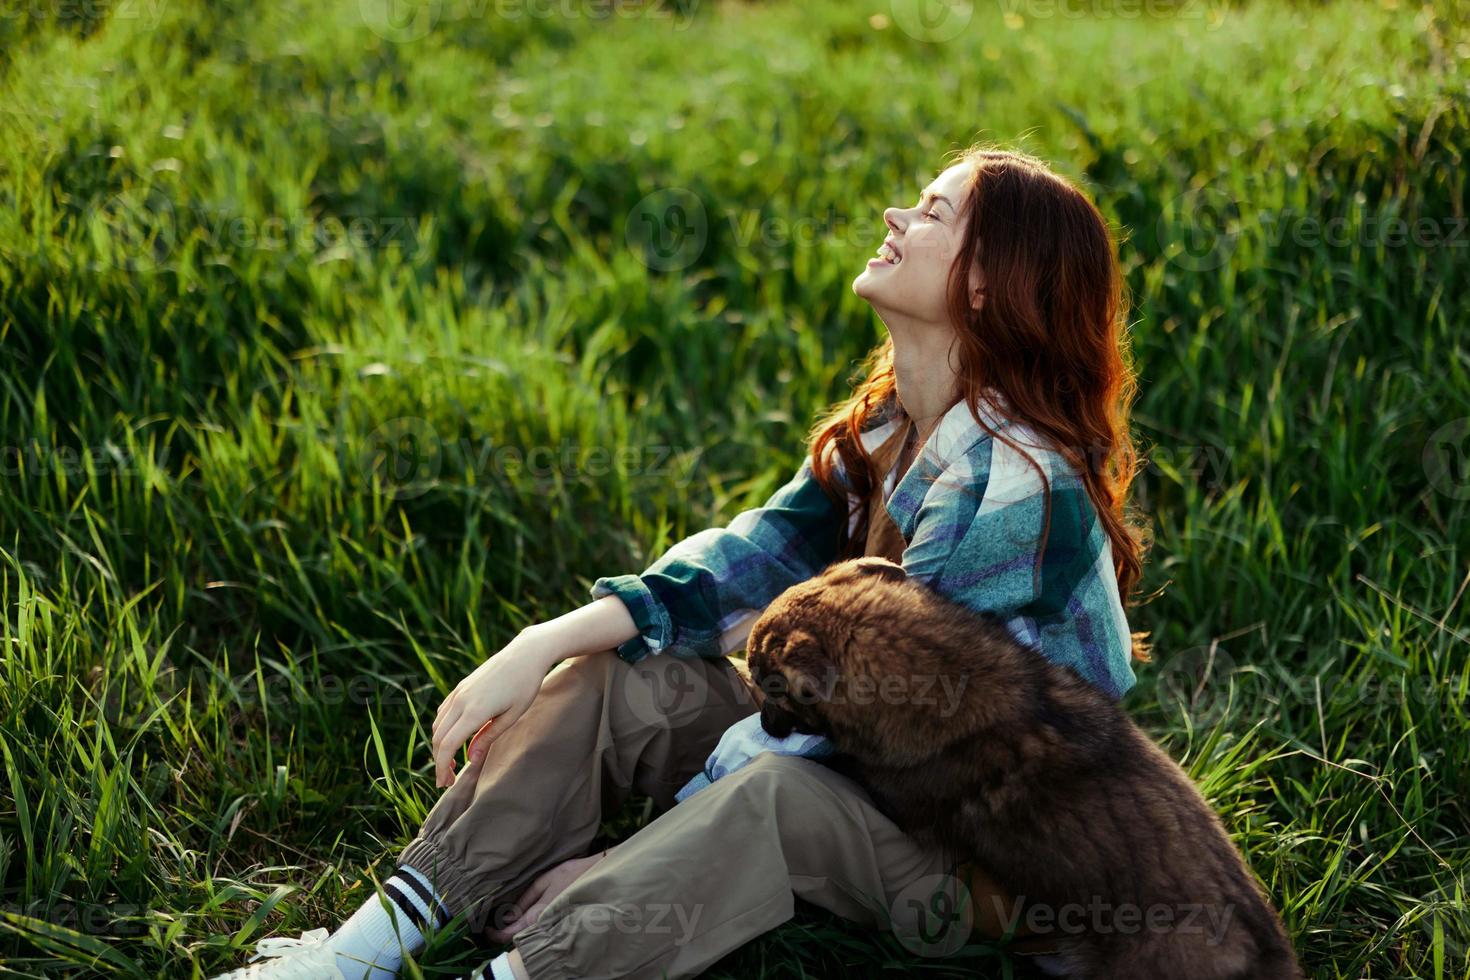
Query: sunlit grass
point(310, 335)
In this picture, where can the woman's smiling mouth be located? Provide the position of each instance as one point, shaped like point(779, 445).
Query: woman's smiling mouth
point(887, 255)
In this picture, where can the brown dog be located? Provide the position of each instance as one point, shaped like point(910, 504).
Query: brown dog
point(967, 738)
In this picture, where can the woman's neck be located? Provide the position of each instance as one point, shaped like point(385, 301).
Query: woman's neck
point(928, 386)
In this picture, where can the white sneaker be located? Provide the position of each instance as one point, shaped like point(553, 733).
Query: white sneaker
point(306, 958)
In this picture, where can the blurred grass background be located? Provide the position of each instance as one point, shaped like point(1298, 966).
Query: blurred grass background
point(342, 340)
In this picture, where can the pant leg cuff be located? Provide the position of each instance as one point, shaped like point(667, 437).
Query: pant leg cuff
point(545, 953)
point(450, 881)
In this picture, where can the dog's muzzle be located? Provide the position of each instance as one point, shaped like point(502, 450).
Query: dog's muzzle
point(777, 721)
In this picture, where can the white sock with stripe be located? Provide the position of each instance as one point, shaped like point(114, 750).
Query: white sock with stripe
point(372, 943)
point(500, 968)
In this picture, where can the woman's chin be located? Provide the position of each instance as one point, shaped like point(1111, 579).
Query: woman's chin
point(866, 285)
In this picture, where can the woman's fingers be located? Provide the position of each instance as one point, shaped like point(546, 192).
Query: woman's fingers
point(526, 918)
point(455, 737)
point(493, 729)
point(448, 707)
point(480, 743)
point(442, 727)
point(444, 753)
point(439, 715)
point(531, 904)
point(538, 888)
point(504, 934)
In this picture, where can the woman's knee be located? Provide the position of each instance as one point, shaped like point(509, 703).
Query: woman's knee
point(633, 700)
point(568, 701)
point(688, 694)
point(776, 762)
point(604, 670)
point(772, 776)
point(585, 674)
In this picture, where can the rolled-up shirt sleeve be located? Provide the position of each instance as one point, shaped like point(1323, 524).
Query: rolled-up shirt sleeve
point(710, 581)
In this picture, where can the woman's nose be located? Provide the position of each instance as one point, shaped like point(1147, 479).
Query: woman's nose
point(891, 218)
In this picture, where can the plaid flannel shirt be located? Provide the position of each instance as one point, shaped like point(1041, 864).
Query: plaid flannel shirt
point(971, 509)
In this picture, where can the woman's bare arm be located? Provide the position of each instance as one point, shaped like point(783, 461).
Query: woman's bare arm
point(599, 625)
point(605, 623)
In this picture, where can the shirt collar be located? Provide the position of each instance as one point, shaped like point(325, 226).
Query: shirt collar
point(952, 439)
point(954, 436)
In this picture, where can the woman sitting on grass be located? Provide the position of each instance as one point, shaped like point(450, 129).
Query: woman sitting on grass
point(987, 451)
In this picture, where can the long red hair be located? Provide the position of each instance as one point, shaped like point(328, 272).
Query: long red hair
point(1050, 337)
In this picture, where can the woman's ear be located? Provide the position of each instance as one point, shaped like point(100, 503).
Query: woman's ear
point(977, 288)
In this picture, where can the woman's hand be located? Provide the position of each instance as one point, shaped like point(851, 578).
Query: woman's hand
point(549, 884)
point(490, 699)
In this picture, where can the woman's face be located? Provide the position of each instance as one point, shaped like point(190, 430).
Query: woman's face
point(909, 275)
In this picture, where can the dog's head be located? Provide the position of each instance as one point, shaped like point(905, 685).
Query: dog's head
point(789, 679)
point(798, 649)
point(888, 669)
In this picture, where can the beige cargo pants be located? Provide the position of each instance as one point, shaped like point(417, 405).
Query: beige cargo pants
point(704, 877)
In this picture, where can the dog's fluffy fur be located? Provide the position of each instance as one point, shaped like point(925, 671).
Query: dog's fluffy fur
point(1038, 776)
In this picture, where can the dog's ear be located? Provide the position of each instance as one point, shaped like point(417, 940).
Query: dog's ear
point(880, 566)
point(802, 663)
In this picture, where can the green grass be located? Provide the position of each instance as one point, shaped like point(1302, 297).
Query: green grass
point(238, 241)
